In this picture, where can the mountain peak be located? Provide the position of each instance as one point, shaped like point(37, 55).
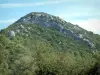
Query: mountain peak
point(36, 13)
point(41, 18)
point(50, 21)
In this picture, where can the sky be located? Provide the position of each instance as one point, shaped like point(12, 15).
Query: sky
point(85, 13)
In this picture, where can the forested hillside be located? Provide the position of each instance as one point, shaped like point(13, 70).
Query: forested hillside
point(46, 45)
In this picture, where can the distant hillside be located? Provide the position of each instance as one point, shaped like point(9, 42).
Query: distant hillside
point(43, 44)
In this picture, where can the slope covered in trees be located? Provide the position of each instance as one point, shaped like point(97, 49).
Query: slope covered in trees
point(41, 50)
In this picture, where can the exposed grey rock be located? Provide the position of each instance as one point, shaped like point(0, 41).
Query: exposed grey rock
point(22, 26)
point(76, 37)
point(29, 28)
point(41, 19)
point(76, 28)
point(27, 35)
point(90, 44)
point(61, 28)
point(72, 31)
point(80, 36)
point(11, 34)
point(26, 30)
point(51, 17)
point(18, 31)
point(59, 42)
point(38, 14)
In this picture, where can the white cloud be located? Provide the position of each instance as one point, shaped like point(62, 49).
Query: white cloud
point(11, 5)
point(7, 21)
point(87, 13)
point(92, 3)
point(90, 24)
point(87, 20)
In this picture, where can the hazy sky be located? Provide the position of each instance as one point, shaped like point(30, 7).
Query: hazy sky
point(85, 13)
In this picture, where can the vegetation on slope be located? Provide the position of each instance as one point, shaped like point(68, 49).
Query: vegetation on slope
point(45, 51)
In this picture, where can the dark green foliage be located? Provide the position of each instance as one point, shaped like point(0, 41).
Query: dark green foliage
point(45, 51)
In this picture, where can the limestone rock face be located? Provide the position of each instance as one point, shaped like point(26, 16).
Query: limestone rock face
point(90, 44)
point(47, 20)
point(11, 34)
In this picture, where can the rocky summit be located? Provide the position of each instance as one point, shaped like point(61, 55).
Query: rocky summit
point(47, 20)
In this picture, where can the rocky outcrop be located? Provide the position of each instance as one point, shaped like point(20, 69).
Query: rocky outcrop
point(90, 44)
point(48, 20)
point(11, 34)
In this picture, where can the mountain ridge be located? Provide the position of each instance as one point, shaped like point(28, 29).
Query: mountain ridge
point(48, 20)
